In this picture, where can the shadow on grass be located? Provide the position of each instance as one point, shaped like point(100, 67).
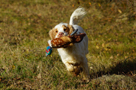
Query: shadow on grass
point(125, 67)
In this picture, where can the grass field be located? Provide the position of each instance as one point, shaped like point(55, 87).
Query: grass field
point(24, 26)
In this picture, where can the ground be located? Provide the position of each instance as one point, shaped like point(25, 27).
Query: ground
point(24, 26)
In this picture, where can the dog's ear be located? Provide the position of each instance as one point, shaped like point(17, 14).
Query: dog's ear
point(52, 33)
point(71, 29)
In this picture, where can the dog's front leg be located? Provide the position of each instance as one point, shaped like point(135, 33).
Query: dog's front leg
point(69, 67)
point(75, 69)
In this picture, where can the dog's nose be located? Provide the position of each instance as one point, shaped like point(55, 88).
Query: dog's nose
point(61, 34)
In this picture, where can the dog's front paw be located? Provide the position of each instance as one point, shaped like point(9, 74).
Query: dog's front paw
point(77, 71)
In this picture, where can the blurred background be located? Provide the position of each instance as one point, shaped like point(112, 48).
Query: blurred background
point(24, 26)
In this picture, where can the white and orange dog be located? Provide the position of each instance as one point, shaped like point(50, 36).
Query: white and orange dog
point(74, 56)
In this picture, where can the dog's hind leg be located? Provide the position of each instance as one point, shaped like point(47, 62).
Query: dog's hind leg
point(85, 69)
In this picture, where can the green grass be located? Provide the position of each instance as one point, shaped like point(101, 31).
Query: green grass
point(24, 27)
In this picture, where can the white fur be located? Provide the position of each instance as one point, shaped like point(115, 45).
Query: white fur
point(77, 15)
point(76, 53)
point(60, 29)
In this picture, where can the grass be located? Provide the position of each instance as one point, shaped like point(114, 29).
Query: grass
point(24, 27)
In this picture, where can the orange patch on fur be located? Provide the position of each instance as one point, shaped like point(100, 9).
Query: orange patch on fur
point(69, 29)
point(53, 33)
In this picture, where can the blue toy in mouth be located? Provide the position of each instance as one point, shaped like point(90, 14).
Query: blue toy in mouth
point(48, 50)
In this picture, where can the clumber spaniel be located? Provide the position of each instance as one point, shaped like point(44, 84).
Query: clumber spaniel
point(74, 56)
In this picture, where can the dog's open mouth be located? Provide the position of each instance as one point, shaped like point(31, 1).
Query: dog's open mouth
point(61, 36)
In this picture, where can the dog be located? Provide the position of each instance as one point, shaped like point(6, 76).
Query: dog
point(74, 56)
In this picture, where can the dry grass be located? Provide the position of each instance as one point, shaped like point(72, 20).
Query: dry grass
point(24, 27)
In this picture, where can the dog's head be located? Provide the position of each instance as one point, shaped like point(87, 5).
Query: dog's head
point(60, 30)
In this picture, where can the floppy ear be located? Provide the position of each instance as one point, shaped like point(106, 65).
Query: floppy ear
point(71, 29)
point(52, 33)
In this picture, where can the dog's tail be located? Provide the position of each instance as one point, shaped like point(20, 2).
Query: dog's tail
point(77, 15)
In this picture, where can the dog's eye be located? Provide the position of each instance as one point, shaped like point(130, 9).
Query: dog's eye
point(56, 31)
point(65, 29)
